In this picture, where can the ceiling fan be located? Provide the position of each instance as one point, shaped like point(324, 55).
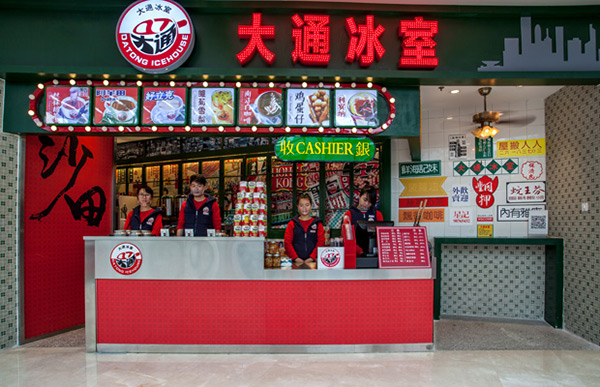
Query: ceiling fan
point(486, 119)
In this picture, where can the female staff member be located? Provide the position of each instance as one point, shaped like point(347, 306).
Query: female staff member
point(365, 210)
point(304, 233)
point(200, 211)
point(145, 217)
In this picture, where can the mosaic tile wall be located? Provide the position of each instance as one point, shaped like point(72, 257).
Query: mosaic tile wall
point(493, 281)
point(573, 133)
point(9, 148)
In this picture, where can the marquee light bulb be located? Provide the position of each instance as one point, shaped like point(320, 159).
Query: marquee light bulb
point(105, 82)
point(139, 83)
point(40, 86)
point(31, 113)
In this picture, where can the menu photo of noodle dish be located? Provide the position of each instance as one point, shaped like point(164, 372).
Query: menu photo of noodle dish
point(356, 108)
point(212, 106)
point(308, 107)
point(260, 107)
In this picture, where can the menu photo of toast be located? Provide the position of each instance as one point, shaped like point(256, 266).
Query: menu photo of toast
point(308, 107)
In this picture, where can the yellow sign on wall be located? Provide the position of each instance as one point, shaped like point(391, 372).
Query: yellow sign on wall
point(516, 148)
point(423, 186)
point(429, 215)
point(485, 231)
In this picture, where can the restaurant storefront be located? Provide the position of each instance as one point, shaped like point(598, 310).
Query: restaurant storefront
point(239, 78)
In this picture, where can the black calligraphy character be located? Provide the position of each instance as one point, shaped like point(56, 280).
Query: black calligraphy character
point(72, 159)
point(93, 214)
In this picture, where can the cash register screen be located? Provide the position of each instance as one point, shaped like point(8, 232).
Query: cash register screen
point(366, 235)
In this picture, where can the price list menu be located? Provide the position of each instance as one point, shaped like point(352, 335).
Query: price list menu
point(403, 247)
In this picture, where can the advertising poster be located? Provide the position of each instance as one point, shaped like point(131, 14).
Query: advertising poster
point(66, 105)
point(517, 148)
point(308, 107)
point(164, 105)
point(212, 106)
point(260, 107)
point(485, 231)
point(526, 192)
point(356, 108)
point(462, 216)
point(457, 146)
point(517, 213)
point(538, 223)
point(116, 106)
point(461, 195)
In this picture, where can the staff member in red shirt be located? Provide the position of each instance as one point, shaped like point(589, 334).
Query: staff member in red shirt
point(200, 211)
point(365, 210)
point(304, 233)
point(145, 217)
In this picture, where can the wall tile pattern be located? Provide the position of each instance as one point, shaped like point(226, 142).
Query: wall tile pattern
point(9, 171)
point(573, 143)
point(493, 281)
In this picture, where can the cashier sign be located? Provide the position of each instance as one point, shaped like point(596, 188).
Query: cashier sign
point(126, 258)
point(155, 36)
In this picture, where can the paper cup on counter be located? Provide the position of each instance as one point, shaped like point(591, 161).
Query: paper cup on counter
point(237, 230)
point(243, 186)
point(251, 186)
point(246, 230)
point(260, 186)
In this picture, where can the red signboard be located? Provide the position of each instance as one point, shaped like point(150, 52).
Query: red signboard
point(403, 247)
point(417, 202)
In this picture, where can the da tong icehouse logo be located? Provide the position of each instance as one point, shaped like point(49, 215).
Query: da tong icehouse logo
point(537, 54)
point(155, 36)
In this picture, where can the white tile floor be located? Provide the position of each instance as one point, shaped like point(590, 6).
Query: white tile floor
point(61, 367)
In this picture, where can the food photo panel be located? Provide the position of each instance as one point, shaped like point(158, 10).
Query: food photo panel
point(164, 105)
point(116, 106)
point(212, 106)
point(260, 107)
point(356, 108)
point(67, 105)
point(308, 107)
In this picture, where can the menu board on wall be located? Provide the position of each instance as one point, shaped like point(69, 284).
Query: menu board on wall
point(308, 107)
point(356, 108)
point(164, 105)
point(116, 106)
point(67, 105)
point(260, 107)
point(212, 106)
point(403, 247)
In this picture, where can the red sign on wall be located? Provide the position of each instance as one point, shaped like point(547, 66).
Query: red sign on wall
point(68, 186)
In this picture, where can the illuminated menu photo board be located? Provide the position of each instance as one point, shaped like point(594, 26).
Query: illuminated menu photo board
point(116, 106)
point(308, 107)
point(164, 105)
point(68, 105)
point(356, 108)
point(260, 107)
point(212, 106)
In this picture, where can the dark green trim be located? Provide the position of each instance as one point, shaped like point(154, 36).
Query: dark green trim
point(554, 250)
point(385, 180)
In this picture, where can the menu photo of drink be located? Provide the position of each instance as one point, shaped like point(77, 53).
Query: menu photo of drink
point(68, 105)
point(260, 107)
point(356, 108)
point(308, 107)
point(403, 247)
point(116, 106)
point(212, 106)
point(164, 106)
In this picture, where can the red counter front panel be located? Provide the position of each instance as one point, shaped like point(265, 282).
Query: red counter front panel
point(264, 312)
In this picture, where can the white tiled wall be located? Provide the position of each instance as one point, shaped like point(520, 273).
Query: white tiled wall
point(437, 125)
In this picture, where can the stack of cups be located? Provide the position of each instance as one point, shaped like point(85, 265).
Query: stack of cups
point(250, 210)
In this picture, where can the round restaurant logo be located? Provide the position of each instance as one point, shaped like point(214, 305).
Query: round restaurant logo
point(126, 258)
point(155, 36)
point(330, 257)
